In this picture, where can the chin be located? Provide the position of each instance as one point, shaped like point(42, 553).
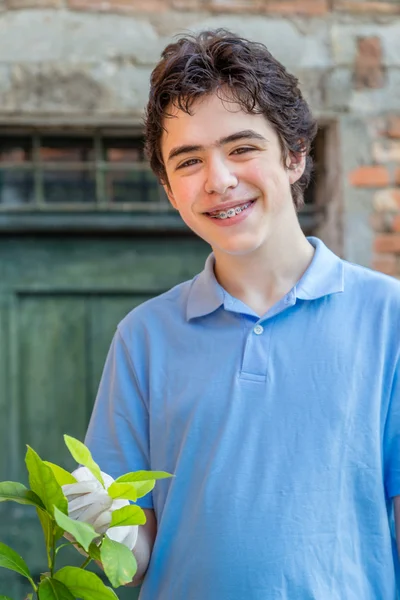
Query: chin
point(237, 249)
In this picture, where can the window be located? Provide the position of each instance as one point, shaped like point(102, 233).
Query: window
point(99, 179)
point(313, 213)
point(55, 171)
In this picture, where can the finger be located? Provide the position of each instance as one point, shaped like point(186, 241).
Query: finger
point(82, 501)
point(87, 511)
point(102, 523)
point(126, 535)
point(91, 513)
point(84, 487)
point(108, 480)
point(132, 537)
point(83, 474)
point(119, 504)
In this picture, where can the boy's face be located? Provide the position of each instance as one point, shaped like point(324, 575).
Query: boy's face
point(222, 159)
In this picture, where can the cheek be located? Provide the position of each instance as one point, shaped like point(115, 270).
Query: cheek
point(186, 191)
point(269, 177)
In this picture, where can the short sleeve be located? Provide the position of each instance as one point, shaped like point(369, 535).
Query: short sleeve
point(118, 432)
point(391, 441)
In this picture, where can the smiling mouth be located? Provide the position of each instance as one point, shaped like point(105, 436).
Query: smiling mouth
point(230, 212)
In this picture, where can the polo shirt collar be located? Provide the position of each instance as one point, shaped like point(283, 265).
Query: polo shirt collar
point(206, 294)
point(324, 276)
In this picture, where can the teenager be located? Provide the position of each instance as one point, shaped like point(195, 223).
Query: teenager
point(269, 383)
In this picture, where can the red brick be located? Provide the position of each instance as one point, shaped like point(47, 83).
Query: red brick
point(393, 130)
point(387, 242)
point(283, 7)
point(369, 72)
point(118, 6)
point(188, 4)
point(366, 7)
point(386, 263)
point(396, 223)
point(18, 4)
point(369, 176)
point(313, 8)
point(234, 6)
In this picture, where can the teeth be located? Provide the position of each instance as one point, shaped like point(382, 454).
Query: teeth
point(231, 212)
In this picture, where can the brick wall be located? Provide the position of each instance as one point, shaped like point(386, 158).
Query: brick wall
point(382, 177)
point(88, 61)
point(282, 7)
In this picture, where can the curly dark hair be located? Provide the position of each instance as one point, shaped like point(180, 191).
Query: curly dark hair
point(202, 64)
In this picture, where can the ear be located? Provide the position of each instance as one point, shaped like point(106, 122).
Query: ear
point(170, 195)
point(295, 163)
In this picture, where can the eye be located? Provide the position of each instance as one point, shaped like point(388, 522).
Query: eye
point(188, 163)
point(243, 150)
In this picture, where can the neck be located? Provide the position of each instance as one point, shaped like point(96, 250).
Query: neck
point(263, 277)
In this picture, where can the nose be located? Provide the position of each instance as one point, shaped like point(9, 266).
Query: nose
point(219, 176)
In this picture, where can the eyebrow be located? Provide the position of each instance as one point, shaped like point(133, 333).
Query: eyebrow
point(234, 137)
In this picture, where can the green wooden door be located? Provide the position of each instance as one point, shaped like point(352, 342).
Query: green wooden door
point(60, 301)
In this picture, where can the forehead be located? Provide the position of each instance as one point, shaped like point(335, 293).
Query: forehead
point(211, 119)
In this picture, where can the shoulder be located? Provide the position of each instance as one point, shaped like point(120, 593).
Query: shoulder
point(360, 276)
point(371, 287)
point(162, 310)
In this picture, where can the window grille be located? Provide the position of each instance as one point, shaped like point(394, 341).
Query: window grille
point(47, 171)
point(99, 179)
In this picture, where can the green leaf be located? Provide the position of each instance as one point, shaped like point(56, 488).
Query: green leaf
point(82, 532)
point(9, 559)
point(94, 551)
point(51, 589)
point(144, 487)
point(5, 598)
point(128, 515)
point(118, 562)
point(48, 525)
point(84, 584)
point(12, 490)
point(58, 533)
point(83, 456)
point(143, 476)
point(62, 476)
point(44, 483)
point(123, 491)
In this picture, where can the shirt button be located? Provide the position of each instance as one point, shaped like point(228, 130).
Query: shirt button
point(258, 329)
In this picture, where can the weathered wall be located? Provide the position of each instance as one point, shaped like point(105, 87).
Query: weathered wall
point(84, 61)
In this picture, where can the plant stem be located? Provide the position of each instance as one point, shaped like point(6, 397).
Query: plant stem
point(35, 587)
point(53, 554)
point(63, 546)
point(85, 563)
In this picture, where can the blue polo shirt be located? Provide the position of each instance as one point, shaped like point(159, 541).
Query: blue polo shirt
point(283, 433)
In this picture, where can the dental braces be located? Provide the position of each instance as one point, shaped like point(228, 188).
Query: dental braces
point(232, 212)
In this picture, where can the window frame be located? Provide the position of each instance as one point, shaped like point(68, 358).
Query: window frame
point(144, 217)
point(98, 166)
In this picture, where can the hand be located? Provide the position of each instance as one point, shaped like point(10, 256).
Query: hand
point(89, 502)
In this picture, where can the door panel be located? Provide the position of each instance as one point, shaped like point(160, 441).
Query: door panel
point(52, 354)
point(60, 302)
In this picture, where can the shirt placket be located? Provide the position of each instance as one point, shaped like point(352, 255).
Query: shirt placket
point(257, 350)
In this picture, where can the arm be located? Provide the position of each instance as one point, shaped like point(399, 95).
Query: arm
point(396, 500)
point(144, 545)
point(88, 502)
